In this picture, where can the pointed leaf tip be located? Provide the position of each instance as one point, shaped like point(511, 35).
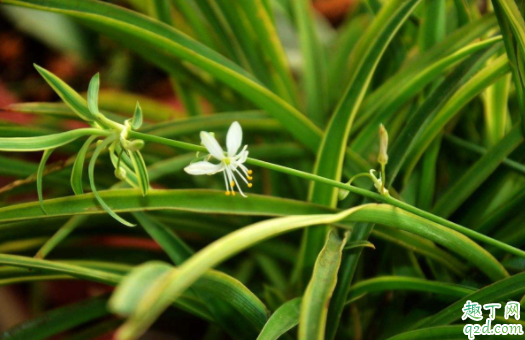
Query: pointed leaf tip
point(136, 122)
point(94, 86)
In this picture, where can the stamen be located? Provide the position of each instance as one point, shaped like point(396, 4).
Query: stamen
point(250, 178)
point(232, 183)
point(244, 169)
point(241, 175)
point(250, 172)
point(226, 183)
point(227, 193)
point(250, 185)
point(230, 172)
point(233, 193)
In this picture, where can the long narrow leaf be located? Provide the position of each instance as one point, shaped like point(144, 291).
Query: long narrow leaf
point(17, 144)
point(68, 95)
point(40, 174)
point(178, 281)
point(316, 299)
point(78, 167)
point(285, 318)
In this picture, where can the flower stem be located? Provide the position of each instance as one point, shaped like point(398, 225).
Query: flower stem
point(356, 190)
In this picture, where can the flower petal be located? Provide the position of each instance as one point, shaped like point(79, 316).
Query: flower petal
point(244, 156)
point(234, 139)
point(203, 168)
point(212, 145)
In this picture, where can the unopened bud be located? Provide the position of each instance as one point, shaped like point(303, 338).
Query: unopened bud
point(120, 174)
point(134, 145)
point(383, 145)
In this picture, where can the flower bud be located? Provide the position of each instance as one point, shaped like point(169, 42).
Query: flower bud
point(383, 145)
point(134, 145)
point(120, 174)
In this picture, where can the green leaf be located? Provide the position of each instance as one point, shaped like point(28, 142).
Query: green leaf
point(40, 174)
point(285, 318)
point(330, 157)
point(316, 299)
point(125, 300)
point(91, 172)
point(496, 111)
point(509, 288)
point(314, 80)
point(452, 107)
point(177, 281)
point(216, 202)
point(267, 34)
point(359, 244)
point(68, 227)
point(161, 10)
point(68, 95)
point(78, 167)
point(176, 249)
point(378, 112)
point(106, 273)
point(59, 110)
point(58, 320)
point(92, 96)
point(465, 186)
point(433, 24)
point(203, 201)
point(392, 283)
point(122, 102)
point(140, 170)
point(136, 121)
point(331, 154)
point(405, 141)
point(507, 9)
point(147, 278)
point(451, 45)
point(16, 144)
point(158, 35)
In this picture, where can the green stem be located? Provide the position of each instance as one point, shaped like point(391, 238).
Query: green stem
point(359, 191)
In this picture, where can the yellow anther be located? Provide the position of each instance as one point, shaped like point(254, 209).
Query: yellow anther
point(232, 184)
point(250, 178)
point(250, 172)
point(227, 193)
point(233, 193)
point(250, 185)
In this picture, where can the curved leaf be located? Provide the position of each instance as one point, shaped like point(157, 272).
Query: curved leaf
point(92, 96)
point(285, 318)
point(140, 170)
point(58, 320)
point(389, 283)
point(17, 144)
point(91, 172)
point(177, 44)
point(509, 288)
point(78, 167)
point(68, 95)
point(178, 281)
point(39, 176)
point(316, 298)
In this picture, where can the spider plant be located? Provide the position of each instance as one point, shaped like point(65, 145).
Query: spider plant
point(379, 166)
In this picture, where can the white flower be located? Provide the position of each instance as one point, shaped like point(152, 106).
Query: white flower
point(230, 164)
